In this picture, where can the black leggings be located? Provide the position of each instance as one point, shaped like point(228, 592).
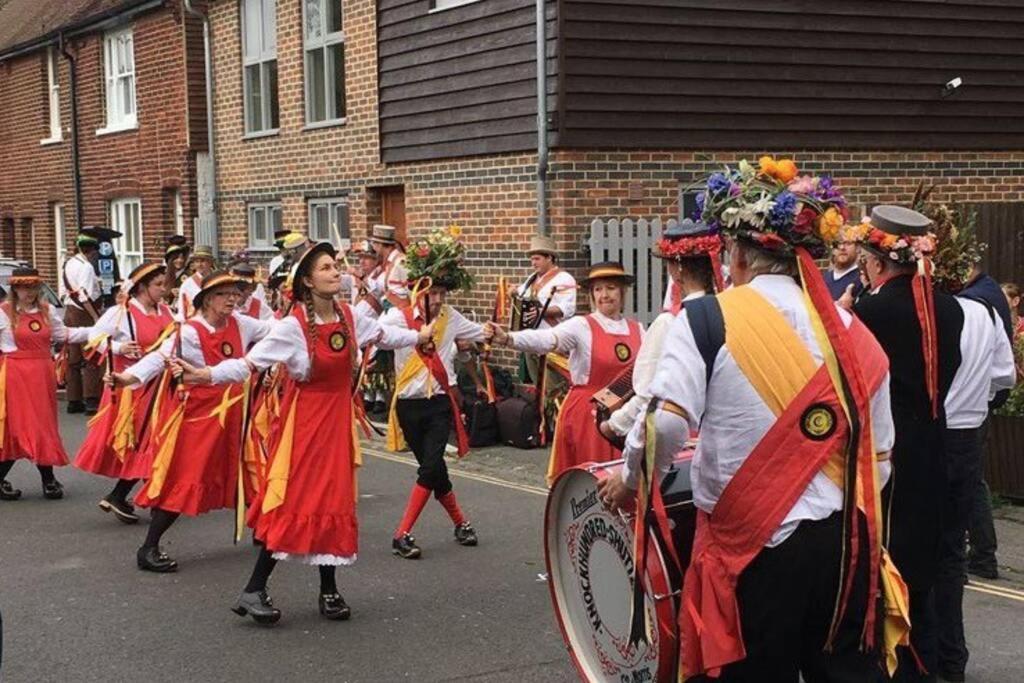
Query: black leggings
point(265, 564)
point(45, 472)
point(160, 521)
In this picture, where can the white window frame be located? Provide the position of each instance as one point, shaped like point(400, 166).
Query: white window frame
point(318, 233)
point(60, 240)
point(118, 71)
point(272, 220)
point(126, 218)
point(442, 5)
point(179, 214)
point(323, 43)
point(53, 91)
point(262, 57)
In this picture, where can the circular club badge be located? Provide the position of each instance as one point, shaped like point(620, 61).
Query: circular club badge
point(35, 325)
point(622, 352)
point(337, 341)
point(227, 350)
point(590, 558)
point(818, 422)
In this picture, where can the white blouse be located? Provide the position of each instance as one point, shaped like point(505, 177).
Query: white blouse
point(114, 322)
point(572, 338)
point(286, 344)
point(150, 365)
point(58, 332)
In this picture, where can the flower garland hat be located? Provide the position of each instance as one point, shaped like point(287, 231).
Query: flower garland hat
point(440, 257)
point(896, 233)
point(691, 239)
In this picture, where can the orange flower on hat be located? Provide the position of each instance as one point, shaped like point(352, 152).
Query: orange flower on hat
point(767, 166)
point(785, 170)
point(830, 224)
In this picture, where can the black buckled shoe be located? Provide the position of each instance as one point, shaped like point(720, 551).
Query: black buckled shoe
point(151, 559)
point(53, 490)
point(260, 607)
point(8, 492)
point(123, 510)
point(465, 535)
point(405, 547)
point(334, 607)
point(75, 407)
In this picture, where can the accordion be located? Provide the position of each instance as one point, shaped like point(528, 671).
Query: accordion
point(606, 401)
point(525, 313)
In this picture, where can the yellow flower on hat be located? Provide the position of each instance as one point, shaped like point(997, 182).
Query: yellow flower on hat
point(830, 224)
point(454, 230)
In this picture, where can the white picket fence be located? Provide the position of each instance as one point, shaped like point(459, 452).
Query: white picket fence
point(630, 242)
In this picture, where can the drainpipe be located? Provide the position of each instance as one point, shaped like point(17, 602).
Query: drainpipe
point(542, 121)
point(208, 68)
point(76, 169)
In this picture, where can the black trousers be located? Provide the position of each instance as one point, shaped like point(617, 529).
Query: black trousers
point(982, 530)
point(963, 469)
point(426, 423)
point(787, 596)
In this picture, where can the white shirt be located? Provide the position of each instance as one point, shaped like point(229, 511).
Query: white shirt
point(275, 263)
point(424, 383)
point(648, 359)
point(286, 344)
point(564, 299)
point(186, 294)
point(396, 275)
point(263, 313)
point(986, 366)
point(573, 338)
point(152, 364)
point(731, 415)
point(81, 281)
point(114, 322)
point(260, 292)
point(666, 304)
point(58, 332)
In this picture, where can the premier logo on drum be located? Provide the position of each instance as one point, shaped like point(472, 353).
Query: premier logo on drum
point(579, 507)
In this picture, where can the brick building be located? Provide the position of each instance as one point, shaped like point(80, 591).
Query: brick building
point(422, 112)
point(141, 125)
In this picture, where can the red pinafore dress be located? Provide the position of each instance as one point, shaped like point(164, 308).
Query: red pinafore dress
point(97, 455)
point(202, 473)
point(30, 431)
point(577, 439)
point(318, 514)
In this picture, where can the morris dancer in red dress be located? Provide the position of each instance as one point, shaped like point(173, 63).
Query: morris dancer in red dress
point(28, 383)
point(113, 447)
point(251, 303)
point(600, 346)
point(197, 437)
point(306, 509)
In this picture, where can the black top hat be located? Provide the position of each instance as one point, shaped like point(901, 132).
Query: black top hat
point(899, 220)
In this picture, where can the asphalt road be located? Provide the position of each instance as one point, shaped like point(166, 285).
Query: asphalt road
point(75, 608)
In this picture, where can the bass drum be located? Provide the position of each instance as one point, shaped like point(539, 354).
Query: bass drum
point(589, 556)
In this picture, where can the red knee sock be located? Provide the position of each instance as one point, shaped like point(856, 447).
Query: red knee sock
point(417, 501)
point(451, 506)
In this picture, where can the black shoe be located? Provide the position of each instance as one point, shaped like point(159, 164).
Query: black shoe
point(92, 406)
point(990, 573)
point(153, 560)
point(53, 490)
point(465, 535)
point(8, 492)
point(333, 607)
point(259, 606)
point(124, 512)
point(75, 407)
point(405, 547)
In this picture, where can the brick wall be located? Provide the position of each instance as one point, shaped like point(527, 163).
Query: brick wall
point(150, 162)
point(492, 197)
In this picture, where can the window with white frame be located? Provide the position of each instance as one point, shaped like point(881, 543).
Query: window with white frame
point(179, 214)
point(53, 89)
point(259, 60)
point(60, 239)
point(328, 220)
point(264, 220)
point(324, 47)
point(119, 69)
point(448, 4)
point(126, 218)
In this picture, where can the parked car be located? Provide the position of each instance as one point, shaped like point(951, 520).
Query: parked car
point(7, 267)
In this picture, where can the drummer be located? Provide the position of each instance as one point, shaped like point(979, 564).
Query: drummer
point(601, 346)
point(776, 585)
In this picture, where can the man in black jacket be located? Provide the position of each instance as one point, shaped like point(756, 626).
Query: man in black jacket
point(921, 368)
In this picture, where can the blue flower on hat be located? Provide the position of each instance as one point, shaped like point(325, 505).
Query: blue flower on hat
point(782, 214)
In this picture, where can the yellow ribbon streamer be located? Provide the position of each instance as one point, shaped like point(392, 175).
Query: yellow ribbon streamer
point(281, 462)
point(414, 365)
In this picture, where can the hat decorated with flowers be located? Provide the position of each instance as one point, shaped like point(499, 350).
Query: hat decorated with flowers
point(896, 233)
point(440, 256)
point(774, 207)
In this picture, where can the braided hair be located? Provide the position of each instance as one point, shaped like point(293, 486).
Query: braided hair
point(307, 300)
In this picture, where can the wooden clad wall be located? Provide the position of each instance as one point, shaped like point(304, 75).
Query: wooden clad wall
point(461, 81)
point(794, 73)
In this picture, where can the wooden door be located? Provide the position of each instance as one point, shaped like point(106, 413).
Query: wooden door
point(393, 209)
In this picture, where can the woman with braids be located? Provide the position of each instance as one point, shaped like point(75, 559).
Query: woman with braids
point(112, 448)
point(196, 438)
point(28, 383)
point(306, 509)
